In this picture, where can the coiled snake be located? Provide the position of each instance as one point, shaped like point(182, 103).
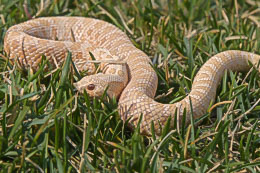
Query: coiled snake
point(135, 83)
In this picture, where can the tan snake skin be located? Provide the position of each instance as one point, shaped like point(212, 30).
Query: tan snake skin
point(53, 36)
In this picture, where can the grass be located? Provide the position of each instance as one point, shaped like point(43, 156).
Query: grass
point(47, 127)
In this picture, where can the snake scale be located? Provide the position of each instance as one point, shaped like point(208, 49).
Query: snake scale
point(135, 83)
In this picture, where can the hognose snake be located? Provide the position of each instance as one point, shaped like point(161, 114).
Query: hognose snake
point(135, 83)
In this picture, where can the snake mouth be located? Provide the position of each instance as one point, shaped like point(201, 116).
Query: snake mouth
point(76, 87)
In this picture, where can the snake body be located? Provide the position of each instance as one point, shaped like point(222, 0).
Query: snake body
point(54, 36)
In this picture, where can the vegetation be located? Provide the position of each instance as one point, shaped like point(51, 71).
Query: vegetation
point(47, 127)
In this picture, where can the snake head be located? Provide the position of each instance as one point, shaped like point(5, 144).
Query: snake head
point(93, 85)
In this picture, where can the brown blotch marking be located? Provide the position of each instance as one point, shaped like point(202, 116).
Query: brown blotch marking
point(112, 71)
point(120, 72)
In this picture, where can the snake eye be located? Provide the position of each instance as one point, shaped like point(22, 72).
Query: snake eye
point(91, 87)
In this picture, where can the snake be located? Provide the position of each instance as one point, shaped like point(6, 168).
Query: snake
point(125, 71)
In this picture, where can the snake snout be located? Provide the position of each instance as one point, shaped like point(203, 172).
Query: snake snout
point(79, 87)
point(76, 87)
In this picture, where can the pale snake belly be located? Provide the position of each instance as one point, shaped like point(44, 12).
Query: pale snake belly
point(135, 83)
